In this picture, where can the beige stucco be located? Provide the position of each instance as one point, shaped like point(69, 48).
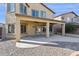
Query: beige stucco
point(26, 18)
point(31, 22)
point(10, 19)
point(31, 26)
point(49, 14)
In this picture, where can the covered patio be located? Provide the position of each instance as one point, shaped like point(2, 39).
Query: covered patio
point(34, 26)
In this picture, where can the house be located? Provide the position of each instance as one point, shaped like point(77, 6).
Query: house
point(67, 17)
point(76, 20)
point(30, 19)
point(76, 23)
point(2, 31)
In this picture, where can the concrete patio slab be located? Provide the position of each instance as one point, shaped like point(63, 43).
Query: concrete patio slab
point(8, 48)
point(64, 39)
point(30, 42)
point(52, 38)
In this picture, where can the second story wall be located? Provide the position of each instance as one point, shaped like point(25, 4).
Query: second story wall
point(40, 10)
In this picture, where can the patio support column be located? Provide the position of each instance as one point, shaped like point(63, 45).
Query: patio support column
point(47, 29)
point(17, 30)
point(63, 29)
point(52, 29)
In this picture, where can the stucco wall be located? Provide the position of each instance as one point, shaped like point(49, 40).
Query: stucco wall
point(10, 19)
point(30, 28)
point(35, 6)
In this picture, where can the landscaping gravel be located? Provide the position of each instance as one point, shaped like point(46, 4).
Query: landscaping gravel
point(8, 48)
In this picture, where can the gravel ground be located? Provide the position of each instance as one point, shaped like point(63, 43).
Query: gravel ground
point(7, 48)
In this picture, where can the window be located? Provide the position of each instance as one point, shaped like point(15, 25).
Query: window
point(11, 28)
point(23, 9)
point(43, 14)
point(10, 7)
point(23, 28)
point(35, 13)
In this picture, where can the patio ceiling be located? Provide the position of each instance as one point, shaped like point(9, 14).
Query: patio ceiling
point(37, 19)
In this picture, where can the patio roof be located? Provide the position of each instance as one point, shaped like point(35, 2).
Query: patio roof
point(46, 19)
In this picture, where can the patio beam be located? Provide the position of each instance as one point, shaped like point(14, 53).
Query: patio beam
point(52, 29)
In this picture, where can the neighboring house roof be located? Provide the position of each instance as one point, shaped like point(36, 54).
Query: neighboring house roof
point(38, 18)
point(44, 6)
point(67, 13)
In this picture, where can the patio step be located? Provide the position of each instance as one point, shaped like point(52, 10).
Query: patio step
point(31, 44)
point(25, 45)
point(36, 42)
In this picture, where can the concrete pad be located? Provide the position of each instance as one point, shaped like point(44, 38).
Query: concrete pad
point(64, 39)
point(35, 42)
point(25, 45)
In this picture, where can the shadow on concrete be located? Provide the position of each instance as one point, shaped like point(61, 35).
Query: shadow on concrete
point(67, 45)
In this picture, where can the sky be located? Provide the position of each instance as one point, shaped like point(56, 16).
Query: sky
point(2, 13)
point(58, 8)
